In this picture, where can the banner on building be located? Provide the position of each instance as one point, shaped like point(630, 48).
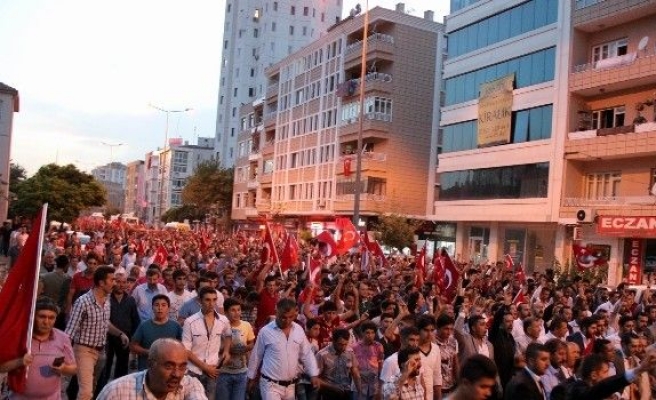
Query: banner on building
point(495, 111)
point(633, 259)
point(635, 227)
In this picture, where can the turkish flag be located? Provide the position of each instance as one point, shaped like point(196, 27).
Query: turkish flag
point(586, 257)
point(289, 255)
point(438, 270)
point(17, 297)
point(349, 236)
point(327, 244)
point(315, 270)
point(269, 252)
point(451, 275)
point(347, 166)
point(520, 297)
point(140, 247)
point(508, 262)
point(161, 256)
point(377, 251)
point(520, 275)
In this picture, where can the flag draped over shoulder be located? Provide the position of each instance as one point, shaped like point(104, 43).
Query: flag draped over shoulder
point(17, 297)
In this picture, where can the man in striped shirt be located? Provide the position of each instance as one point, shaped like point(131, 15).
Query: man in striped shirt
point(88, 328)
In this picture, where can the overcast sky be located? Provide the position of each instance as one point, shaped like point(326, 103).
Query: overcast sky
point(88, 70)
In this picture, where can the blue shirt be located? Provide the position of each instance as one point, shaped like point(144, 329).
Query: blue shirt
point(149, 331)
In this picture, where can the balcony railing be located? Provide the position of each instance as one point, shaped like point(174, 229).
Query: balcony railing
point(363, 196)
point(252, 183)
point(372, 116)
point(591, 133)
point(609, 201)
point(369, 155)
point(615, 62)
point(381, 37)
point(586, 3)
point(264, 203)
point(375, 76)
point(250, 212)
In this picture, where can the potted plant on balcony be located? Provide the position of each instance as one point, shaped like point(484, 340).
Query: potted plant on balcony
point(639, 119)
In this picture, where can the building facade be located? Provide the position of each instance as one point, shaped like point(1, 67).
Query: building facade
point(9, 104)
point(610, 147)
point(165, 174)
point(257, 34)
point(134, 189)
point(112, 177)
point(297, 146)
point(503, 128)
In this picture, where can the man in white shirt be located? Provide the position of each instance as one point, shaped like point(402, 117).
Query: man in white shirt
point(409, 337)
point(202, 335)
point(179, 295)
point(431, 359)
point(280, 346)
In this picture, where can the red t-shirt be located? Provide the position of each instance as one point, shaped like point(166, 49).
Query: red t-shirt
point(265, 308)
point(81, 284)
point(326, 331)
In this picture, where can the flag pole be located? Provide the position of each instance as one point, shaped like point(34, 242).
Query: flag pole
point(30, 326)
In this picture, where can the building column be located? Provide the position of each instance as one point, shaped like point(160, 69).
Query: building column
point(496, 242)
point(461, 241)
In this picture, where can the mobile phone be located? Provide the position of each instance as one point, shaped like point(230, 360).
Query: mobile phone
point(58, 362)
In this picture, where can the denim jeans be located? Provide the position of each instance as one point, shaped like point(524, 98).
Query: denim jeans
point(208, 383)
point(231, 386)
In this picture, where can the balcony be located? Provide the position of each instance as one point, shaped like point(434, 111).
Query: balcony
point(270, 119)
point(620, 142)
point(375, 82)
point(254, 155)
point(371, 162)
point(263, 205)
point(253, 183)
point(369, 203)
point(272, 90)
point(621, 205)
point(595, 15)
point(615, 74)
point(379, 45)
point(266, 178)
point(375, 126)
point(267, 148)
point(251, 212)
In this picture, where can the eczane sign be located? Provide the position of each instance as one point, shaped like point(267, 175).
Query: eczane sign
point(635, 227)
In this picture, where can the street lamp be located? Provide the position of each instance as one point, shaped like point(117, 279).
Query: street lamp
point(363, 78)
point(162, 166)
point(111, 150)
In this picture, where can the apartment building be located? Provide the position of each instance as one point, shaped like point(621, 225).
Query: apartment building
point(610, 151)
point(503, 130)
point(257, 34)
point(297, 145)
point(9, 104)
point(112, 177)
point(134, 188)
point(166, 172)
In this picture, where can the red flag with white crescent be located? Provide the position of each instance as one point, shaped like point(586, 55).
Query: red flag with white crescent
point(587, 257)
point(289, 255)
point(508, 262)
point(327, 244)
point(451, 275)
point(349, 235)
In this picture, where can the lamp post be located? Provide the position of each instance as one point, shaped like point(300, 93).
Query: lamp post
point(358, 157)
point(111, 150)
point(162, 165)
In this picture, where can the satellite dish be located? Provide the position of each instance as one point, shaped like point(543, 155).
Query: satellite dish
point(653, 189)
point(643, 43)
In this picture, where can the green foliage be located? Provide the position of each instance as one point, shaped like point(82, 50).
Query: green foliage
point(396, 230)
point(67, 190)
point(17, 174)
point(210, 187)
point(179, 214)
point(565, 274)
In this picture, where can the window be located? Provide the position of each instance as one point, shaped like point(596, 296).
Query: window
point(602, 185)
point(251, 92)
point(234, 93)
point(515, 182)
point(306, 11)
point(229, 7)
point(305, 31)
point(256, 32)
point(608, 118)
point(512, 22)
point(180, 159)
point(225, 44)
point(612, 49)
point(275, 6)
point(293, 10)
point(291, 30)
point(273, 27)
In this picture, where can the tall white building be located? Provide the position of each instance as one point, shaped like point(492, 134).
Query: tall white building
point(257, 34)
point(8, 106)
point(112, 177)
point(166, 173)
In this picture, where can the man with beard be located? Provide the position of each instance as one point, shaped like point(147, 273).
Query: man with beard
point(526, 383)
point(555, 374)
point(165, 376)
point(504, 343)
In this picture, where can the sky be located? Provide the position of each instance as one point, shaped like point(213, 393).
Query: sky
point(89, 72)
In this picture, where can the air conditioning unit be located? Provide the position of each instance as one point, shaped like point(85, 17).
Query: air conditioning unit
point(585, 215)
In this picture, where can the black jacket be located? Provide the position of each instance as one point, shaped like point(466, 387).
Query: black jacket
point(504, 346)
point(581, 390)
point(523, 387)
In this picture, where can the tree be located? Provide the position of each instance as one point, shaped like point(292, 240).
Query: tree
point(210, 187)
point(66, 189)
point(17, 174)
point(181, 213)
point(396, 230)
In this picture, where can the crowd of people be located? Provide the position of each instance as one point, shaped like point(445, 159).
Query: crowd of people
point(160, 314)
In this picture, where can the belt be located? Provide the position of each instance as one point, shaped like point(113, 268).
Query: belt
point(97, 348)
point(281, 383)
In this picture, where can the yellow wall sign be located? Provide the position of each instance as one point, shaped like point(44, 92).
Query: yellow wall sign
point(495, 111)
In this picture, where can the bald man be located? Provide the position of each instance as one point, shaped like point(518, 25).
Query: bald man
point(167, 364)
